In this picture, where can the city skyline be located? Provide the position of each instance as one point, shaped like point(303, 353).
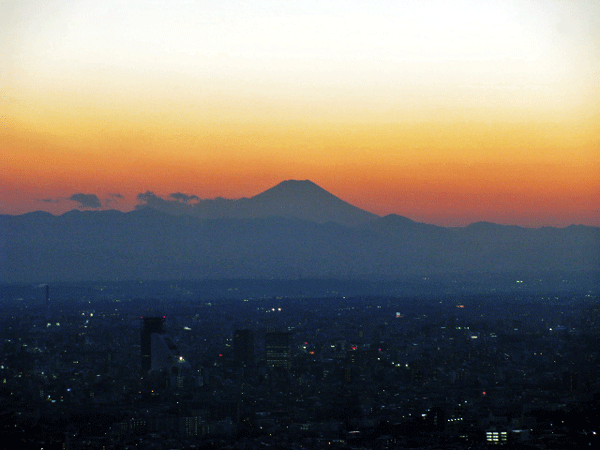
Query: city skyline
point(446, 114)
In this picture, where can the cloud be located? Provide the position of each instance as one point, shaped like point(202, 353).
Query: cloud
point(149, 198)
point(175, 207)
point(152, 200)
point(184, 197)
point(48, 200)
point(86, 200)
point(113, 199)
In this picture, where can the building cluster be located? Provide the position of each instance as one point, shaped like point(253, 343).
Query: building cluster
point(350, 373)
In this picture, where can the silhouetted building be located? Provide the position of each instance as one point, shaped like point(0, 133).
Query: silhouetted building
point(243, 347)
point(150, 326)
point(162, 353)
point(168, 360)
point(278, 348)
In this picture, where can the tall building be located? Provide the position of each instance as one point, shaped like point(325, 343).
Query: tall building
point(162, 353)
point(168, 360)
point(278, 348)
point(243, 347)
point(150, 326)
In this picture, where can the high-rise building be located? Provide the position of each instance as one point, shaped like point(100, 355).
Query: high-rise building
point(150, 326)
point(278, 348)
point(243, 347)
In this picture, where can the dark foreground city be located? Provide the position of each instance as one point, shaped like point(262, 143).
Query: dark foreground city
point(181, 366)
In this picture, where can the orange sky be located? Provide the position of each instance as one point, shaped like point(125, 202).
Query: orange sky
point(444, 114)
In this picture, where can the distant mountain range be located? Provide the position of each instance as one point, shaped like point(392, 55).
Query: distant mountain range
point(290, 199)
point(295, 229)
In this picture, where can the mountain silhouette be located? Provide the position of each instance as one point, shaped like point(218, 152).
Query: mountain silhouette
point(300, 199)
point(304, 200)
point(295, 228)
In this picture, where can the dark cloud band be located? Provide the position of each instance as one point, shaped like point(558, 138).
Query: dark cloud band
point(86, 200)
point(185, 198)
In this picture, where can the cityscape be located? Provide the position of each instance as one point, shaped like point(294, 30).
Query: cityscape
point(222, 365)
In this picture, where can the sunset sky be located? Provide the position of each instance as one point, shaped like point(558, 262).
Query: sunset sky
point(446, 112)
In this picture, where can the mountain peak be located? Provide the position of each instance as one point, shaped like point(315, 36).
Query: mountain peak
point(306, 200)
point(297, 183)
point(295, 187)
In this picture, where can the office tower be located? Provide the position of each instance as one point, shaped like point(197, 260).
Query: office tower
point(162, 353)
point(161, 359)
point(243, 347)
point(150, 326)
point(278, 348)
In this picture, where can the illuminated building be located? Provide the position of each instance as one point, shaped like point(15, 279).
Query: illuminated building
point(278, 348)
point(496, 437)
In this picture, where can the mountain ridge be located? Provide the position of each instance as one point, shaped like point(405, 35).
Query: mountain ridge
point(151, 245)
point(294, 228)
point(291, 198)
point(395, 218)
